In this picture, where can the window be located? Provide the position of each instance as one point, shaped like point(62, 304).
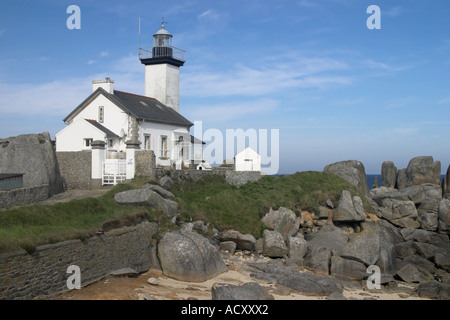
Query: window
point(164, 153)
point(110, 143)
point(100, 114)
point(87, 142)
point(147, 141)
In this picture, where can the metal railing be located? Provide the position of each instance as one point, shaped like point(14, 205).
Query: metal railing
point(162, 52)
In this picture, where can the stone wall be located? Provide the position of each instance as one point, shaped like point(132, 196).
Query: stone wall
point(23, 196)
point(43, 273)
point(145, 163)
point(75, 168)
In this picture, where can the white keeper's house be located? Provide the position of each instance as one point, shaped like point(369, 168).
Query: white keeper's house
point(149, 122)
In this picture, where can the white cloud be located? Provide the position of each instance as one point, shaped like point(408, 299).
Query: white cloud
point(91, 62)
point(104, 54)
point(393, 12)
point(384, 66)
point(400, 103)
point(271, 77)
point(230, 111)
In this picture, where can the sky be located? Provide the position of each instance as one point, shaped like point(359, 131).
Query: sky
point(312, 69)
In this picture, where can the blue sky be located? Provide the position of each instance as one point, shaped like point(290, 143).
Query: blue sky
point(312, 69)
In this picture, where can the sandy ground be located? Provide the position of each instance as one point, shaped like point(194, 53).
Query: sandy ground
point(238, 273)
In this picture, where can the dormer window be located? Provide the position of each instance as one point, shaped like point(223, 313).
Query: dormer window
point(101, 114)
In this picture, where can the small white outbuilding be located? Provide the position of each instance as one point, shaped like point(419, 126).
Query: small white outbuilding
point(247, 160)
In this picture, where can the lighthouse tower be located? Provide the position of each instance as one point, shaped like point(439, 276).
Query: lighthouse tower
point(162, 69)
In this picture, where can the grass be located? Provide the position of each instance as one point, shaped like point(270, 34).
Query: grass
point(225, 206)
point(27, 227)
point(210, 199)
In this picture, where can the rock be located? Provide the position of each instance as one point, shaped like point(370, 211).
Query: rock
point(385, 229)
point(243, 241)
point(283, 221)
point(400, 213)
point(153, 281)
point(442, 260)
point(423, 170)
point(388, 174)
point(304, 282)
point(188, 256)
point(426, 268)
point(124, 272)
point(147, 197)
point(375, 183)
point(348, 209)
point(409, 273)
point(297, 247)
point(444, 216)
point(330, 237)
point(247, 291)
point(161, 191)
point(428, 208)
point(446, 185)
point(346, 269)
point(310, 284)
point(229, 246)
point(274, 245)
point(402, 179)
point(416, 235)
point(363, 247)
point(323, 212)
point(416, 194)
point(405, 249)
point(387, 258)
point(35, 157)
point(166, 182)
point(336, 296)
point(425, 250)
point(330, 204)
point(199, 226)
point(318, 259)
point(433, 290)
point(352, 171)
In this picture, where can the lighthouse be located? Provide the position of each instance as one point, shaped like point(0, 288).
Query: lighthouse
point(162, 69)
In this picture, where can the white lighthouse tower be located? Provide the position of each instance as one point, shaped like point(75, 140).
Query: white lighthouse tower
point(162, 69)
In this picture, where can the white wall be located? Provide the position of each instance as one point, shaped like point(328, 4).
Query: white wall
point(156, 130)
point(162, 83)
point(71, 138)
point(247, 160)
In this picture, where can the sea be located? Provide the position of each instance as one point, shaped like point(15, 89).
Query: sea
point(371, 179)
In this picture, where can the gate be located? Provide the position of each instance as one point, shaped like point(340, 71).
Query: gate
point(114, 171)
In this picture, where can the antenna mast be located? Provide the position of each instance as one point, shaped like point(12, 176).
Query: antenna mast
point(139, 33)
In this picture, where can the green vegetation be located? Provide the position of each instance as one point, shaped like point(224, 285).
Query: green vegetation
point(225, 206)
point(211, 199)
point(27, 227)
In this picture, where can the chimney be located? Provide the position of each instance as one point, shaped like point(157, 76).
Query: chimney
point(107, 85)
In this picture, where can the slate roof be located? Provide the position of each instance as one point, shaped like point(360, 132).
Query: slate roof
point(141, 107)
point(108, 132)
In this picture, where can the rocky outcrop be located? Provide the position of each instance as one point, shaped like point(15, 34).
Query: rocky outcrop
point(423, 170)
point(388, 174)
point(147, 197)
point(351, 170)
point(243, 241)
point(247, 291)
point(446, 185)
point(444, 216)
point(188, 256)
point(273, 244)
point(34, 156)
point(283, 221)
point(349, 209)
